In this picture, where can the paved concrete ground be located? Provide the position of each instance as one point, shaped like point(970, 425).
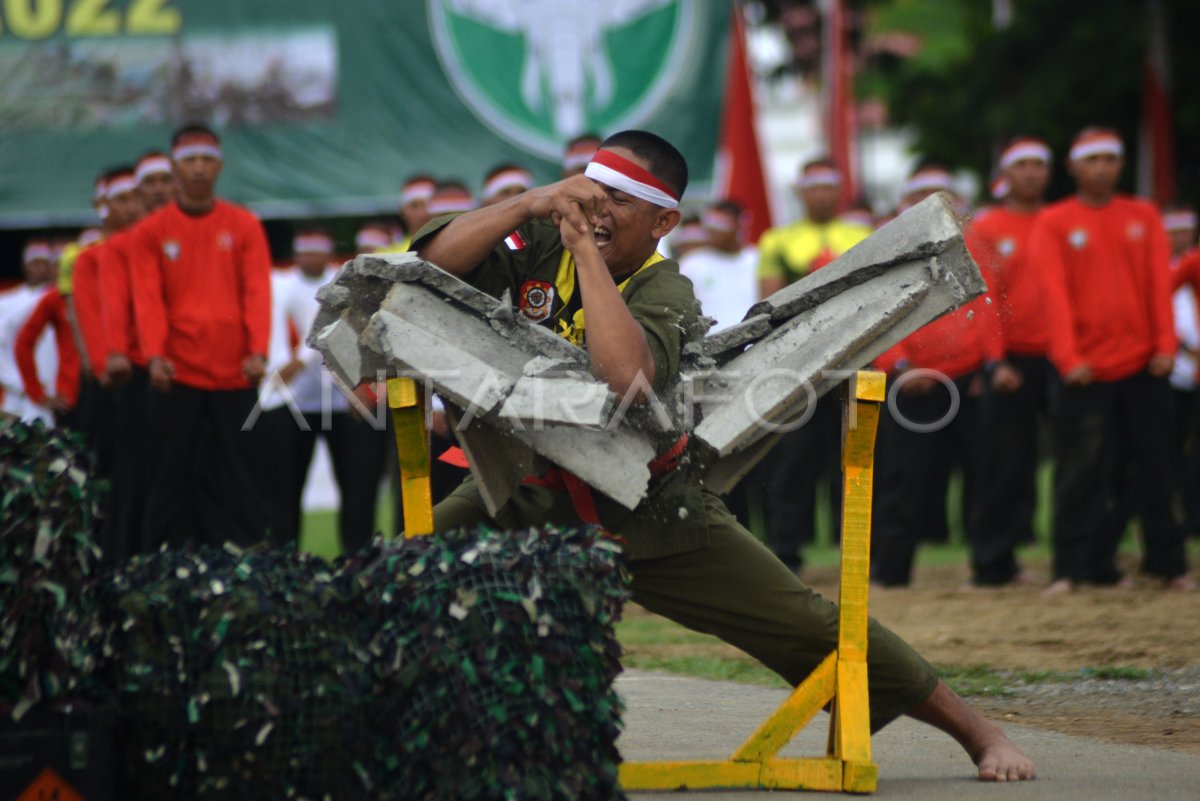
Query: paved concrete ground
point(671, 717)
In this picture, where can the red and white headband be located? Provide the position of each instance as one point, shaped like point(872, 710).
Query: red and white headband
point(928, 179)
point(451, 202)
point(372, 239)
point(1101, 144)
point(151, 165)
point(37, 250)
point(100, 191)
point(506, 180)
point(120, 184)
point(578, 156)
point(312, 243)
point(417, 190)
point(1000, 187)
point(819, 176)
point(1179, 220)
point(1025, 149)
point(608, 168)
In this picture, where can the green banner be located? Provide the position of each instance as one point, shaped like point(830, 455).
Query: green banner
point(324, 107)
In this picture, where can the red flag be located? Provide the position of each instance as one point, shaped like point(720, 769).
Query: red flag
point(1156, 137)
point(841, 124)
point(739, 174)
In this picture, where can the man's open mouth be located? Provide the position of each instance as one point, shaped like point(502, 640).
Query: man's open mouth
point(602, 235)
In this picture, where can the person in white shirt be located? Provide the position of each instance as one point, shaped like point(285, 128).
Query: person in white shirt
point(38, 265)
point(301, 401)
point(1180, 223)
point(723, 273)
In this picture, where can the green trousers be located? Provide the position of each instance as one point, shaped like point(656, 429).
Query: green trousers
point(733, 588)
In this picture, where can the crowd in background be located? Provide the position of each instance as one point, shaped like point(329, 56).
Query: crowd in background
point(165, 336)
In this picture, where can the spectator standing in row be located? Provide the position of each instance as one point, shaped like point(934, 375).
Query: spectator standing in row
point(1105, 258)
point(1180, 225)
point(810, 455)
point(936, 376)
point(1017, 391)
point(311, 406)
point(202, 297)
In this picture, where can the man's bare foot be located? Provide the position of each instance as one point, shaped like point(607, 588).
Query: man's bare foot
point(1062, 586)
point(997, 758)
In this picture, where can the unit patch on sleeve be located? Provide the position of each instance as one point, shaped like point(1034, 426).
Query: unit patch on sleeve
point(536, 299)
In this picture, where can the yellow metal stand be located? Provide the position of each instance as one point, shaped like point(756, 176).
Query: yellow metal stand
point(839, 681)
point(406, 400)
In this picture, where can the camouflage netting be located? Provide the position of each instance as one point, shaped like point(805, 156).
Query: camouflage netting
point(466, 665)
point(498, 652)
point(237, 677)
point(48, 627)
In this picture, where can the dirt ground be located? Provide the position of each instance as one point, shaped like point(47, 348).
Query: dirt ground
point(1091, 631)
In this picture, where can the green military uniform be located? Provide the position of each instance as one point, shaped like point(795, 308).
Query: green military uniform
point(689, 558)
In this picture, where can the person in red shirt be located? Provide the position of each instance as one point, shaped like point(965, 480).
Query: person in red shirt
point(125, 364)
point(201, 287)
point(936, 376)
point(60, 400)
point(1104, 257)
point(1017, 393)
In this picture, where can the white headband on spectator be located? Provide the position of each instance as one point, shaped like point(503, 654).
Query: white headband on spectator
point(1179, 220)
point(312, 243)
point(37, 251)
point(691, 234)
point(928, 179)
point(451, 203)
point(152, 166)
point(120, 185)
point(1026, 149)
point(187, 151)
point(100, 192)
point(716, 220)
point(1000, 188)
point(1097, 145)
point(620, 173)
point(819, 176)
point(372, 239)
point(506, 180)
point(580, 158)
point(421, 190)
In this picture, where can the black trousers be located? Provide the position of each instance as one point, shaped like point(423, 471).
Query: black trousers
point(129, 476)
point(1135, 417)
point(94, 415)
point(1006, 482)
point(206, 476)
point(803, 459)
point(1187, 413)
point(913, 472)
point(358, 454)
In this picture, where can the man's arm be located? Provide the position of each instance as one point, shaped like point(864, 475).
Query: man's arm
point(1162, 316)
point(255, 266)
point(616, 342)
point(467, 240)
point(1045, 256)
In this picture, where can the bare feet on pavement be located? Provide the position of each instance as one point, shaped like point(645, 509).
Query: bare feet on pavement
point(997, 757)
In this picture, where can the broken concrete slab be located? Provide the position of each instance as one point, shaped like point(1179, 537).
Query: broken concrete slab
point(535, 390)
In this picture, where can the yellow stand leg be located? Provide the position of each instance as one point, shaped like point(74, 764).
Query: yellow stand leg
point(406, 400)
point(840, 680)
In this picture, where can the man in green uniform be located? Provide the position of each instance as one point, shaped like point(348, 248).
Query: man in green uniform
point(581, 257)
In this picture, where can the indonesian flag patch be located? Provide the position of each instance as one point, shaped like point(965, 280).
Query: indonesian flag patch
point(515, 241)
point(536, 299)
